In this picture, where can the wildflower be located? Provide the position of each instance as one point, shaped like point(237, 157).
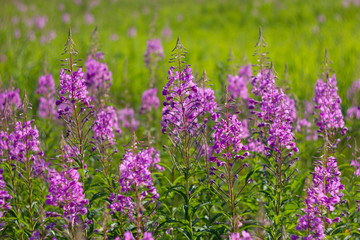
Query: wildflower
point(238, 83)
point(9, 100)
point(66, 191)
point(185, 102)
point(98, 77)
point(149, 100)
point(127, 119)
point(230, 133)
point(72, 88)
point(128, 236)
point(40, 21)
point(135, 176)
point(105, 124)
point(244, 236)
point(132, 32)
point(135, 173)
point(324, 193)
point(355, 163)
point(4, 196)
point(328, 104)
point(24, 139)
point(353, 112)
point(46, 88)
point(154, 48)
point(166, 32)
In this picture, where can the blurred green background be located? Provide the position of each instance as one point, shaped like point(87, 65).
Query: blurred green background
point(297, 33)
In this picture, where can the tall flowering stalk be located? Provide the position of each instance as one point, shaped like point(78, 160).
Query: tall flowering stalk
point(137, 193)
point(229, 154)
point(182, 120)
point(275, 129)
point(325, 194)
point(66, 192)
point(76, 111)
point(23, 162)
point(105, 126)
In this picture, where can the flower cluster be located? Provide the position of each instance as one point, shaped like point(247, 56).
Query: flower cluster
point(135, 176)
point(155, 48)
point(9, 99)
point(238, 83)
point(185, 102)
point(323, 195)
point(264, 81)
point(126, 117)
point(98, 76)
point(135, 172)
point(122, 204)
point(66, 191)
point(311, 220)
point(4, 196)
point(46, 88)
point(353, 112)
point(244, 236)
point(355, 163)
point(229, 133)
point(128, 236)
point(105, 124)
point(72, 89)
point(23, 140)
point(149, 100)
point(281, 134)
point(328, 103)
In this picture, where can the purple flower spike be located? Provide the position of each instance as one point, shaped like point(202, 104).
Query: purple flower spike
point(149, 100)
point(154, 48)
point(46, 88)
point(66, 191)
point(73, 88)
point(105, 124)
point(328, 104)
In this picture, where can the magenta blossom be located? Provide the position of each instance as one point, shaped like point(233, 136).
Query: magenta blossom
point(149, 100)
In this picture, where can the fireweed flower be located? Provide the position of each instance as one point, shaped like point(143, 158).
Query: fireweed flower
point(46, 88)
point(311, 220)
point(328, 104)
point(230, 133)
point(73, 88)
point(185, 102)
point(126, 117)
point(323, 195)
point(244, 236)
point(66, 192)
point(135, 177)
point(154, 48)
point(105, 124)
point(24, 139)
point(149, 100)
point(129, 236)
point(355, 163)
point(135, 173)
point(353, 112)
point(281, 134)
point(4, 196)
point(40, 21)
point(9, 100)
point(3, 142)
point(228, 149)
point(98, 76)
point(238, 83)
